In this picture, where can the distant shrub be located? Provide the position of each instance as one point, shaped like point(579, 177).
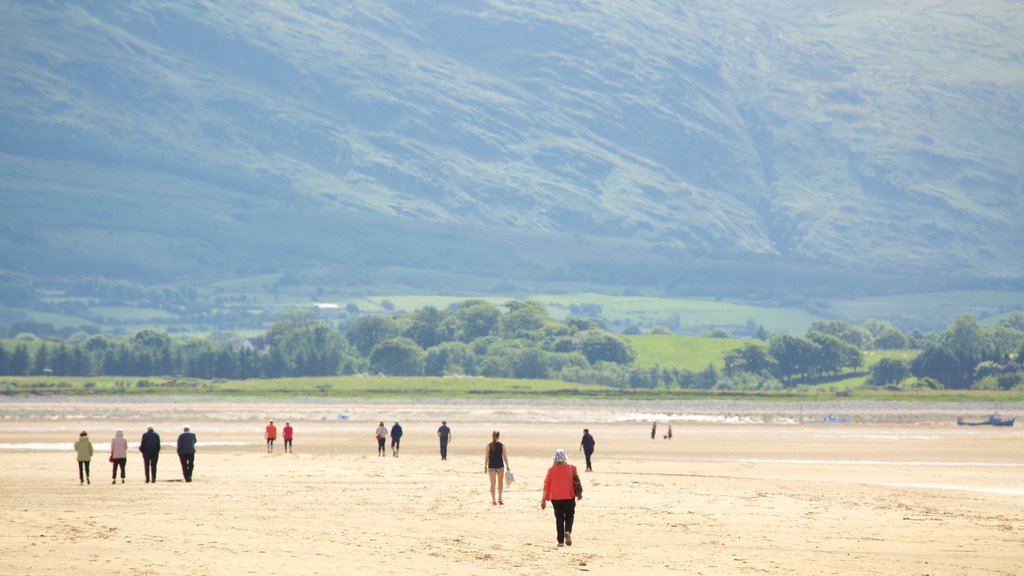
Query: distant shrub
point(927, 383)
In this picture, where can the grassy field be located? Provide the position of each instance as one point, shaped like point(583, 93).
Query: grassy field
point(691, 353)
point(372, 388)
point(935, 310)
point(257, 297)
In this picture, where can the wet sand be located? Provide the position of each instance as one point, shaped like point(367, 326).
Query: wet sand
point(735, 491)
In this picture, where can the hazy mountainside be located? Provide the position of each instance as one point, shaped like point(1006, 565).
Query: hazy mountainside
point(155, 139)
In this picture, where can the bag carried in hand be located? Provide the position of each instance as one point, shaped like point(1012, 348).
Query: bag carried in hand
point(509, 477)
point(577, 486)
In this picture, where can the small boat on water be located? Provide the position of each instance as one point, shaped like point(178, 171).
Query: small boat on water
point(834, 418)
point(993, 420)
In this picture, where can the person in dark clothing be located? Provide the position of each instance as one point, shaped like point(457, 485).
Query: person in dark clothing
point(444, 434)
point(396, 438)
point(187, 452)
point(150, 448)
point(587, 445)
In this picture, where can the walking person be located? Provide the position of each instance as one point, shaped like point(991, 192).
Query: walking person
point(654, 430)
point(559, 488)
point(587, 445)
point(118, 454)
point(83, 450)
point(382, 434)
point(289, 433)
point(444, 434)
point(150, 448)
point(495, 463)
point(270, 434)
point(187, 452)
point(669, 435)
point(396, 438)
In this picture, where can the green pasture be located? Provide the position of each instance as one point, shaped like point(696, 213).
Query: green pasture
point(691, 353)
point(936, 309)
point(422, 388)
point(133, 315)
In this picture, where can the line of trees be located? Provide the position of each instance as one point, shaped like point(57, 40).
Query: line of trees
point(521, 340)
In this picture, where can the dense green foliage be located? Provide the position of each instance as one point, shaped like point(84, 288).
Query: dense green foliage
point(522, 341)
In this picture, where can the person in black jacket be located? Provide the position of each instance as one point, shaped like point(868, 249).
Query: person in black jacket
point(150, 448)
point(187, 452)
point(587, 445)
point(396, 438)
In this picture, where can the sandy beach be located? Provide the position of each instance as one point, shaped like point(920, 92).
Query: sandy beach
point(735, 491)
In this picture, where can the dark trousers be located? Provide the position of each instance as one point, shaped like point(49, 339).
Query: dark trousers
point(380, 445)
point(83, 465)
point(444, 450)
point(149, 463)
point(187, 463)
point(587, 454)
point(565, 511)
point(118, 463)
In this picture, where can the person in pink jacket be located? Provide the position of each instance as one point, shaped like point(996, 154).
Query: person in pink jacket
point(118, 454)
point(559, 488)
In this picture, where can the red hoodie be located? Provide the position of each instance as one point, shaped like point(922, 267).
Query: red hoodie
point(558, 482)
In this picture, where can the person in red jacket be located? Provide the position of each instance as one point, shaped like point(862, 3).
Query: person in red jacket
point(270, 435)
point(559, 489)
point(288, 433)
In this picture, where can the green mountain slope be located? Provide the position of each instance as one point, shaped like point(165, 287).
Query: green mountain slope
point(607, 142)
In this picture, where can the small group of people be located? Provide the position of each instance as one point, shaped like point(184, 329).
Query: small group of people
point(396, 438)
point(562, 486)
point(444, 435)
point(149, 446)
point(654, 431)
point(287, 434)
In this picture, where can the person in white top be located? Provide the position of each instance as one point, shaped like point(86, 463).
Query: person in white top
point(118, 454)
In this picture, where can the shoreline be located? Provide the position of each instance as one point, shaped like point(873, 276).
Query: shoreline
point(555, 410)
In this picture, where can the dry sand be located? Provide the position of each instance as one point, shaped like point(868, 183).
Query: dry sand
point(729, 494)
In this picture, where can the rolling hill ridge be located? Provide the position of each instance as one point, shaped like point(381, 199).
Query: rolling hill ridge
point(605, 141)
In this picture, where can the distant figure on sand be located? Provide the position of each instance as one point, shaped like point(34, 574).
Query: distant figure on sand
point(289, 433)
point(150, 448)
point(187, 452)
point(382, 434)
point(83, 450)
point(654, 430)
point(587, 445)
point(444, 435)
point(559, 488)
point(118, 454)
point(495, 462)
point(396, 438)
point(669, 435)
point(270, 434)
